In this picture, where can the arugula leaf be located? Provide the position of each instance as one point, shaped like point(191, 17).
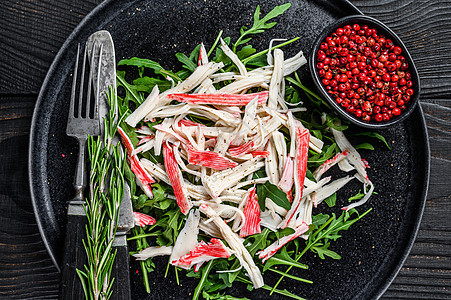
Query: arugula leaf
point(131, 92)
point(259, 241)
point(283, 258)
point(331, 200)
point(374, 135)
point(323, 250)
point(220, 55)
point(203, 280)
point(186, 61)
point(260, 25)
point(141, 63)
point(367, 146)
point(275, 194)
point(319, 219)
point(146, 84)
point(245, 52)
point(357, 196)
point(272, 289)
point(220, 297)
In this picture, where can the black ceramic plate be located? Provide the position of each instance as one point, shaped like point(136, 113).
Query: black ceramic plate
point(372, 251)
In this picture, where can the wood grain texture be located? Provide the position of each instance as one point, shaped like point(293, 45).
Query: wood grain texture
point(31, 32)
point(23, 257)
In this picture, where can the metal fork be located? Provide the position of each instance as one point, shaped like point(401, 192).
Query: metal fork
point(83, 120)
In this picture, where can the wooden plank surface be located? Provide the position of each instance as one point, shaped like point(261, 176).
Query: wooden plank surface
point(31, 32)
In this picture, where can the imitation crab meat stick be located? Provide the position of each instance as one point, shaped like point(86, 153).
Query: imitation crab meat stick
point(353, 155)
point(197, 77)
point(143, 179)
point(203, 55)
point(225, 179)
point(176, 178)
point(365, 198)
point(223, 142)
point(143, 219)
point(155, 170)
point(203, 252)
point(274, 247)
point(300, 167)
point(215, 115)
point(144, 108)
point(329, 164)
point(234, 58)
point(276, 86)
point(286, 180)
point(168, 111)
point(252, 213)
point(220, 98)
point(243, 149)
point(209, 159)
point(271, 167)
point(187, 238)
point(234, 242)
point(241, 85)
point(330, 189)
point(152, 252)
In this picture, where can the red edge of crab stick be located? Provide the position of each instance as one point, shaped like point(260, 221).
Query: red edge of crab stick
point(209, 159)
point(252, 214)
point(144, 179)
point(261, 153)
point(203, 252)
point(269, 251)
point(176, 179)
point(143, 219)
point(219, 98)
point(242, 149)
point(302, 139)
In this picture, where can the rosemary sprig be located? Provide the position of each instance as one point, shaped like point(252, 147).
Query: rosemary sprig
point(106, 185)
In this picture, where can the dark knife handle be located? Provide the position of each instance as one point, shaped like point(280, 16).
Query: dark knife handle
point(121, 270)
point(74, 256)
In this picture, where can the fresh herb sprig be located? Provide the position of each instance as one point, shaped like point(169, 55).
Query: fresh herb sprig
point(106, 186)
point(322, 231)
point(259, 25)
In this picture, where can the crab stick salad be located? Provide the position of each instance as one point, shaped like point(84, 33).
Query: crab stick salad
point(214, 141)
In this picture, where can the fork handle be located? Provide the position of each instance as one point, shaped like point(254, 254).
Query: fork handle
point(74, 254)
point(121, 269)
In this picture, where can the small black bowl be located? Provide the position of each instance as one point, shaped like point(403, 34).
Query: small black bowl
point(389, 34)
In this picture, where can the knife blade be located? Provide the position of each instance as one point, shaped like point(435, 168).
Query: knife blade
point(107, 79)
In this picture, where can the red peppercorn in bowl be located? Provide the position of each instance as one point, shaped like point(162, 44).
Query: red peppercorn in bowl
point(365, 72)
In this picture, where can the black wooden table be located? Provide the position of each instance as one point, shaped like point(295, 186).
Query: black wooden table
point(31, 33)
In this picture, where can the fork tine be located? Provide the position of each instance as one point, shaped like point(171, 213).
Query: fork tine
point(74, 84)
point(91, 71)
point(96, 106)
point(82, 81)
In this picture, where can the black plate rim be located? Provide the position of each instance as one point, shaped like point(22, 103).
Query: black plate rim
point(34, 170)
